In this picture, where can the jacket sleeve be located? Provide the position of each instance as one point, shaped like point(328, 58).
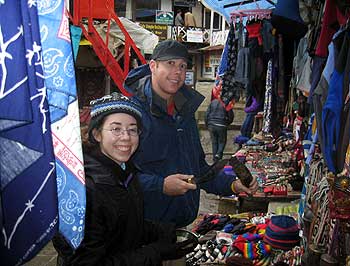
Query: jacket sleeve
point(93, 252)
point(230, 117)
point(220, 185)
point(207, 113)
point(181, 20)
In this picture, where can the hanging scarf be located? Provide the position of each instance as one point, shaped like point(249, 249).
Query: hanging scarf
point(64, 113)
point(28, 183)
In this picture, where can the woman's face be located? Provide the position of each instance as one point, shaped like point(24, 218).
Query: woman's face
point(118, 137)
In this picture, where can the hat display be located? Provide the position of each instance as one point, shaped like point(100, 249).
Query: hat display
point(110, 104)
point(170, 49)
point(282, 232)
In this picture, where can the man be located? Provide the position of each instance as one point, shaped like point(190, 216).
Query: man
point(190, 21)
point(170, 151)
point(178, 19)
point(217, 120)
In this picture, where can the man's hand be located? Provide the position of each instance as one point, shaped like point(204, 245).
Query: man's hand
point(175, 185)
point(238, 187)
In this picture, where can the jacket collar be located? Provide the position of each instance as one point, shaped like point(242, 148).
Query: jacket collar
point(186, 101)
point(103, 170)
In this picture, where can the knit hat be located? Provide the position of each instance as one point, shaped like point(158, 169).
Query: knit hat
point(282, 232)
point(253, 250)
point(110, 104)
point(170, 49)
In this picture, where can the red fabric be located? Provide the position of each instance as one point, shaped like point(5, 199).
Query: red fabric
point(171, 108)
point(331, 16)
point(215, 94)
point(254, 32)
point(216, 221)
point(84, 115)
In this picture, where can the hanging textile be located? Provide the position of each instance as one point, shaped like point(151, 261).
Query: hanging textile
point(230, 87)
point(64, 113)
point(268, 100)
point(331, 17)
point(332, 111)
point(345, 118)
point(28, 216)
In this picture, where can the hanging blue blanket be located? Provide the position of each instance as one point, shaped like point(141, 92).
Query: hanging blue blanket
point(62, 96)
point(28, 209)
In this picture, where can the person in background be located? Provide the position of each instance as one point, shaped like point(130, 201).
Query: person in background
point(178, 18)
point(170, 152)
point(116, 232)
point(217, 119)
point(190, 20)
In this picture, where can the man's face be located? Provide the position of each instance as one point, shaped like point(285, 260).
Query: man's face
point(168, 76)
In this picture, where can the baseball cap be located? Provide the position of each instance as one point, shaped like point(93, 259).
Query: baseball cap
point(170, 49)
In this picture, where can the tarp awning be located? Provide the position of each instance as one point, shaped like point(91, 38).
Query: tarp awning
point(225, 7)
point(144, 39)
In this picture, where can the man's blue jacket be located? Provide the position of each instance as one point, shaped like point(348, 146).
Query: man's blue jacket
point(170, 145)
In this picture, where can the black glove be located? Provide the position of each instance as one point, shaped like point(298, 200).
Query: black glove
point(173, 251)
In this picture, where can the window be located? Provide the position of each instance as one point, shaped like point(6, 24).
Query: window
point(120, 7)
point(145, 10)
point(216, 25)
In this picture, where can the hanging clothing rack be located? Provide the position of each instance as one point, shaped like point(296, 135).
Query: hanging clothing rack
point(257, 13)
point(251, 14)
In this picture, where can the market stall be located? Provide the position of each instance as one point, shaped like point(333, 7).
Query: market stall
point(294, 139)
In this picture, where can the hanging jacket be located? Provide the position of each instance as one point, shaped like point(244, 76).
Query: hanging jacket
point(216, 114)
point(115, 230)
point(333, 107)
point(170, 145)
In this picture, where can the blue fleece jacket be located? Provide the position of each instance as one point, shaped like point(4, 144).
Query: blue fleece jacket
point(170, 145)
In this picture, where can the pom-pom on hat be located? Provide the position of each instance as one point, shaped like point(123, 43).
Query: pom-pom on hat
point(110, 104)
point(282, 232)
point(170, 49)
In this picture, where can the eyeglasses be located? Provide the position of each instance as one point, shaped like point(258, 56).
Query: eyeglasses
point(117, 131)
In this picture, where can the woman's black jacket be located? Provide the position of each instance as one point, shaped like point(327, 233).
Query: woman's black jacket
point(115, 230)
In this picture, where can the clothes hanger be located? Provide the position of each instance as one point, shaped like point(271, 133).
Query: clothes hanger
point(258, 13)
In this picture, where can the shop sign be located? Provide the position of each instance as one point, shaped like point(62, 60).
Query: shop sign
point(165, 17)
point(158, 29)
point(195, 36)
point(189, 78)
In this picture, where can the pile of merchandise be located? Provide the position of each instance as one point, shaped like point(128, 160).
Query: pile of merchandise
point(246, 239)
point(275, 163)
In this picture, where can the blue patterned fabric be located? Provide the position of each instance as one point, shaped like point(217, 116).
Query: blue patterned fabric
point(58, 57)
point(28, 217)
point(62, 95)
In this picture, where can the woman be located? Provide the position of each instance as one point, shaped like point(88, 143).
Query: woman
point(115, 231)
